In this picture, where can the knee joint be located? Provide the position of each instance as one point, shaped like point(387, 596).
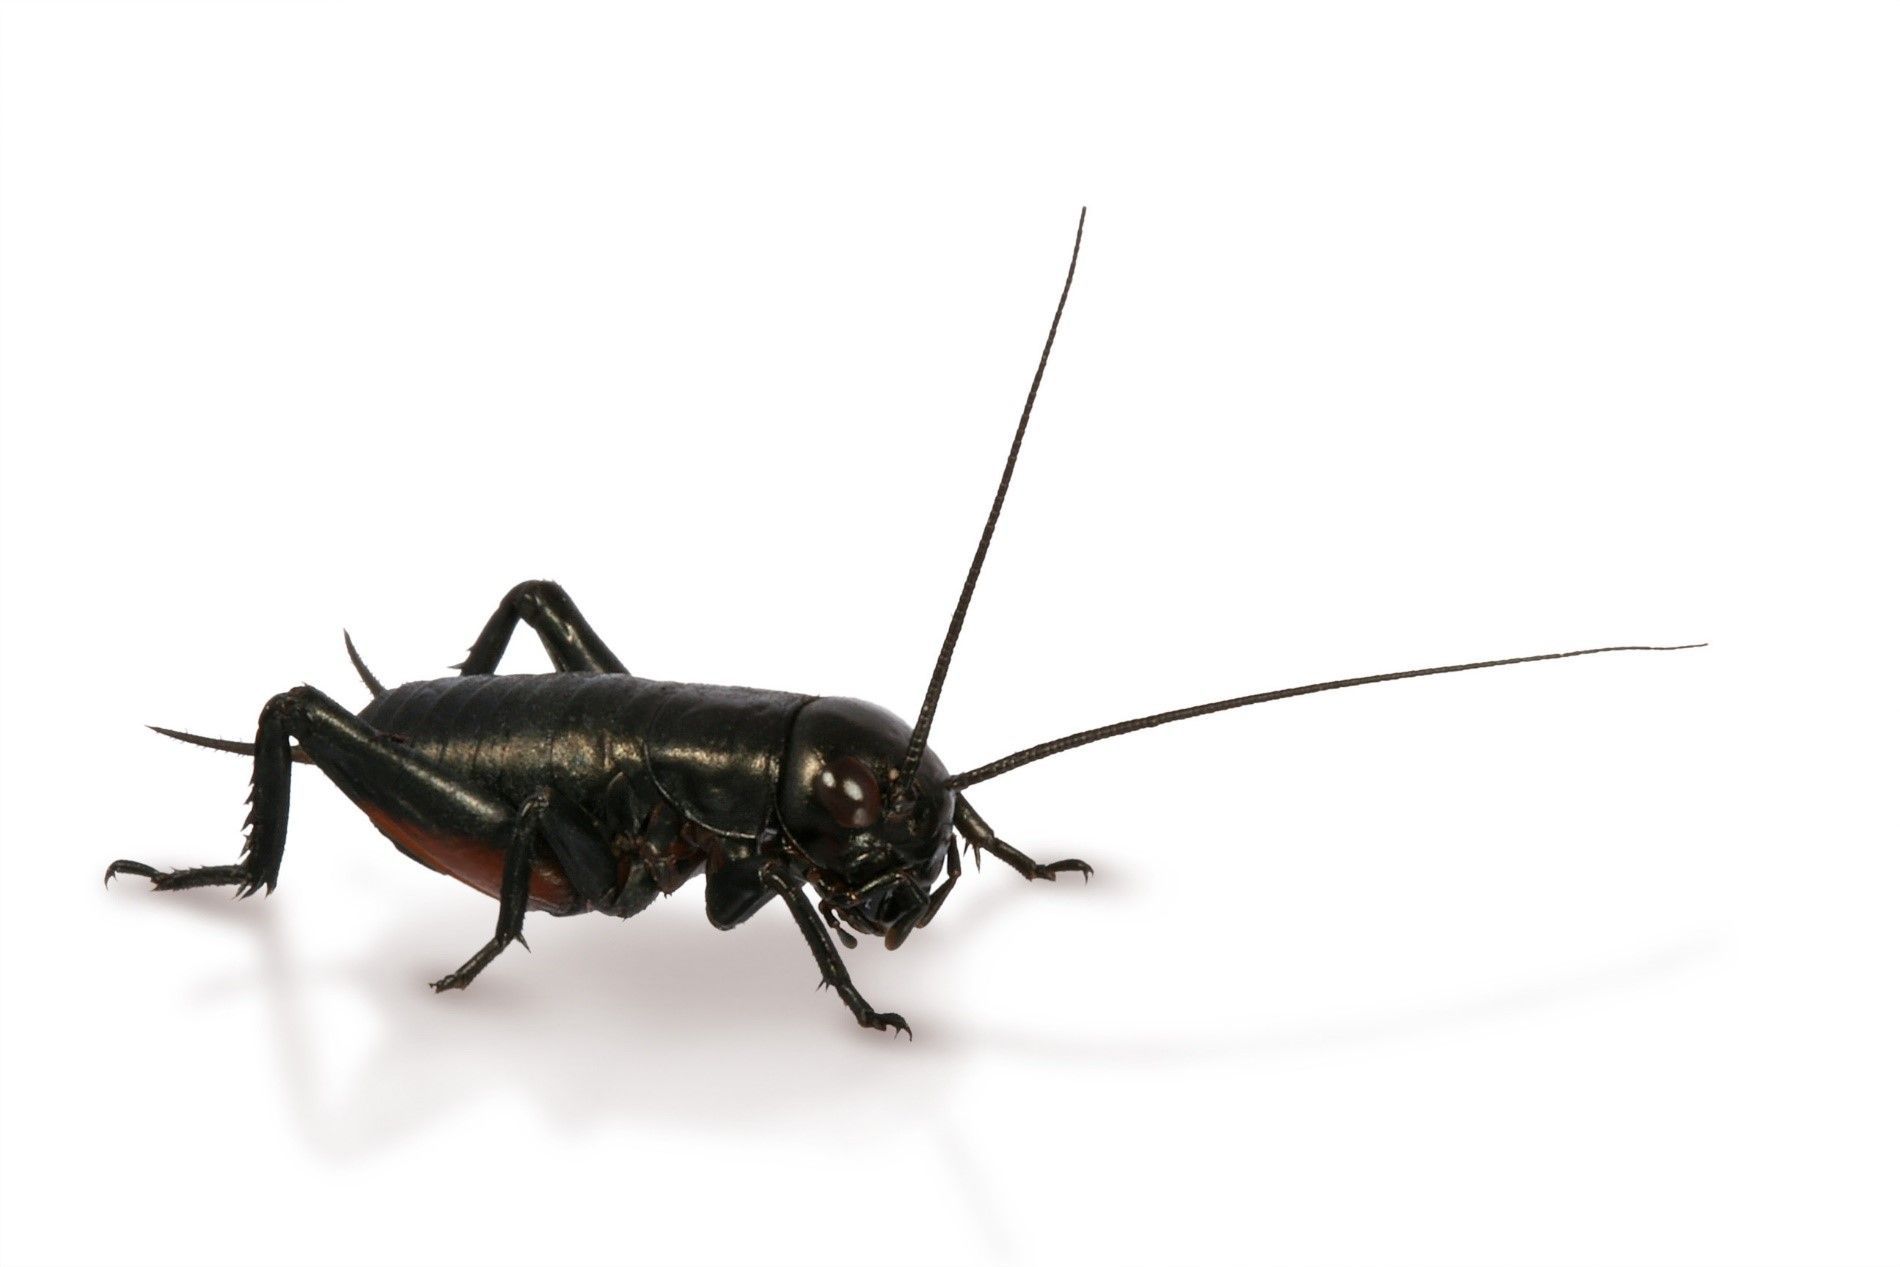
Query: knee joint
point(531, 596)
point(292, 703)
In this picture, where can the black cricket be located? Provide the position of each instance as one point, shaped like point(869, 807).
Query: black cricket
point(589, 789)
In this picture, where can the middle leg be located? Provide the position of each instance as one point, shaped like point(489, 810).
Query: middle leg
point(516, 873)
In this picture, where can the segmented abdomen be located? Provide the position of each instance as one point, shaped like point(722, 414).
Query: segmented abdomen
point(516, 733)
point(710, 752)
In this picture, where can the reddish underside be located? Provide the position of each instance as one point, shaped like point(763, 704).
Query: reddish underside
point(476, 863)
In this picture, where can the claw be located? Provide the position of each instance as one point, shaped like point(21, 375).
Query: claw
point(1048, 870)
point(888, 1020)
point(130, 868)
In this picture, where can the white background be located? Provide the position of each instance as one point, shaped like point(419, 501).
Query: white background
point(1401, 336)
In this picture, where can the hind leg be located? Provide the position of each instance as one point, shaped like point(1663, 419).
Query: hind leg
point(417, 800)
point(269, 816)
point(188, 878)
point(369, 769)
point(545, 608)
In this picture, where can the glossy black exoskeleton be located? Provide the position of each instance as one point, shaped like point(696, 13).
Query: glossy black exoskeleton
point(589, 789)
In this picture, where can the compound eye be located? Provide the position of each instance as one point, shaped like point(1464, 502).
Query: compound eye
point(848, 791)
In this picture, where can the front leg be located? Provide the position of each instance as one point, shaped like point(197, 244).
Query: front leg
point(545, 608)
point(830, 964)
point(983, 840)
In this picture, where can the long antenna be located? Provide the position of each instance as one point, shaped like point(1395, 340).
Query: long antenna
point(1004, 765)
point(920, 734)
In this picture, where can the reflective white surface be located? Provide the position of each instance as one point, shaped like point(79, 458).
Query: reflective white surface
point(1398, 339)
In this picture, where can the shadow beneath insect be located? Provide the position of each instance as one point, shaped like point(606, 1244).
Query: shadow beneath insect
point(660, 1021)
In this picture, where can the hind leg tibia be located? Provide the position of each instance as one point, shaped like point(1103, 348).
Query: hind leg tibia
point(270, 806)
point(371, 770)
